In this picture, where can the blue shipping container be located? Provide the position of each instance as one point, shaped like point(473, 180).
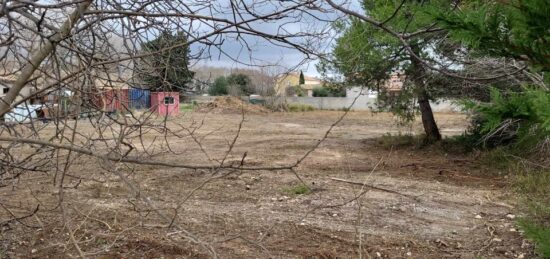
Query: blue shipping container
point(139, 98)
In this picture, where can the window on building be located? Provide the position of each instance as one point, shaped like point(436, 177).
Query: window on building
point(168, 100)
point(5, 90)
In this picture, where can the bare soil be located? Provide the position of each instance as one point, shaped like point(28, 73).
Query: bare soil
point(443, 205)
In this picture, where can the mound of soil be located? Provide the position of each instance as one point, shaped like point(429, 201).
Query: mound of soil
point(230, 104)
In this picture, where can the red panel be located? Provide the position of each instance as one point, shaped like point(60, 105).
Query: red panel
point(110, 100)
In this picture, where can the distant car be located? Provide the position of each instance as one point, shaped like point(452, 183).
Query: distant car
point(23, 113)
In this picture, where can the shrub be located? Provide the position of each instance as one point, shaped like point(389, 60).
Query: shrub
point(294, 91)
point(298, 107)
point(521, 119)
point(326, 91)
point(321, 92)
point(219, 87)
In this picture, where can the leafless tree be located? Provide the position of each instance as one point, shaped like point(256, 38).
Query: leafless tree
point(68, 54)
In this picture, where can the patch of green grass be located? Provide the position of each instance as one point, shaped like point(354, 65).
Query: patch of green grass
point(533, 186)
point(498, 158)
point(460, 144)
point(187, 107)
point(400, 140)
point(297, 189)
point(534, 189)
point(539, 234)
point(298, 107)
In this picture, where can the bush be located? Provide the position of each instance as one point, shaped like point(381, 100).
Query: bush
point(219, 87)
point(241, 84)
point(329, 92)
point(294, 91)
point(321, 92)
point(298, 107)
point(521, 119)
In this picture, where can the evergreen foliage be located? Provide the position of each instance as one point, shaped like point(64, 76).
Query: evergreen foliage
point(219, 87)
point(521, 118)
point(366, 55)
point(167, 68)
point(320, 92)
point(242, 83)
point(517, 29)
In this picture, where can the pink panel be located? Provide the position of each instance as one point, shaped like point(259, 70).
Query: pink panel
point(158, 105)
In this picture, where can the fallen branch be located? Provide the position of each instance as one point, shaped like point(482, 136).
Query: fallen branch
point(18, 219)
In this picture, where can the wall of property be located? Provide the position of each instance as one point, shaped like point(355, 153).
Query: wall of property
point(363, 102)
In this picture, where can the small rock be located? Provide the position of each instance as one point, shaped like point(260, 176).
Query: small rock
point(274, 199)
point(510, 216)
point(34, 251)
point(409, 253)
point(378, 254)
point(501, 249)
point(477, 216)
point(521, 255)
point(497, 239)
point(513, 230)
point(334, 215)
point(247, 187)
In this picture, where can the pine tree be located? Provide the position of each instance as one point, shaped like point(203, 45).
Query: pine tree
point(518, 29)
point(167, 70)
point(364, 53)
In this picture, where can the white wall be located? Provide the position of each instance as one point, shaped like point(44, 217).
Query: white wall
point(364, 102)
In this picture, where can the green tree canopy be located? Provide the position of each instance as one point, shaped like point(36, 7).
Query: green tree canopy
point(219, 87)
point(241, 83)
point(366, 55)
point(518, 29)
point(167, 69)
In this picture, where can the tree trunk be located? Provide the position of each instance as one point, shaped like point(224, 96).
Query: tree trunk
point(428, 120)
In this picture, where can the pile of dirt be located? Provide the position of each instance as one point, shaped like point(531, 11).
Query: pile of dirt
point(230, 104)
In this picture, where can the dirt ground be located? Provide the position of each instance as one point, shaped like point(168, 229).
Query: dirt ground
point(434, 204)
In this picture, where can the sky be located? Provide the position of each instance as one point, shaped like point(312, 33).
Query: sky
point(262, 52)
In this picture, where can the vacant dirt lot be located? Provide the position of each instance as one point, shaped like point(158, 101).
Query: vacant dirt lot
point(433, 204)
